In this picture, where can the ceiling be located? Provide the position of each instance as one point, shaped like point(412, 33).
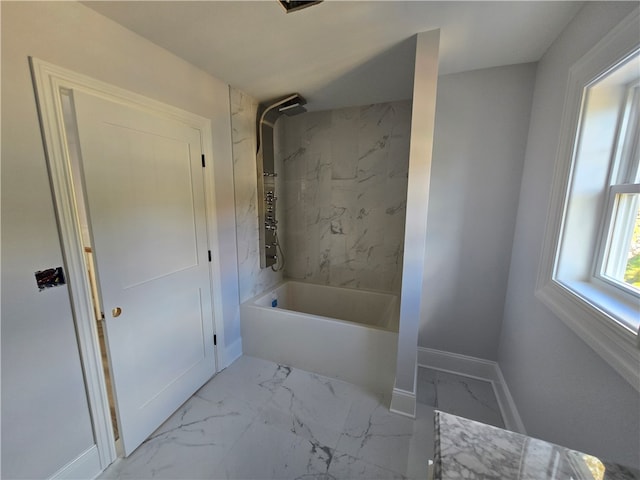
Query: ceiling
point(340, 53)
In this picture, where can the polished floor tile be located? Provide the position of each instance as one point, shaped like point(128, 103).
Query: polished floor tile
point(265, 452)
point(373, 434)
point(460, 395)
point(348, 467)
point(426, 387)
point(311, 406)
point(421, 444)
point(188, 445)
point(260, 420)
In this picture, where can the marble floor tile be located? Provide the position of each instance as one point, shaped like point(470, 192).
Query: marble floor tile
point(266, 452)
point(375, 435)
point(421, 447)
point(460, 395)
point(260, 420)
point(312, 406)
point(189, 444)
point(251, 379)
point(426, 387)
point(345, 466)
point(469, 397)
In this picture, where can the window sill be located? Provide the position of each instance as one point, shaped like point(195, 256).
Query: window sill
point(590, 313)
point(621, 313)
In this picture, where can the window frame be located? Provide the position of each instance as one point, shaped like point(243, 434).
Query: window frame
point(590, 308)
point(622, 179)
point(610, 246)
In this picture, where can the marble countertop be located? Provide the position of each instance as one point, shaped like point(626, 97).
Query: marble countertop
point(469, 450)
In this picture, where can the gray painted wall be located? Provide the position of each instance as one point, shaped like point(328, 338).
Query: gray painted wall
point(45, 418)
point(565, 393)
point(482, 119)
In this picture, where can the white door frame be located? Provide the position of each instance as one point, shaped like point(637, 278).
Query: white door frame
point(49, 80)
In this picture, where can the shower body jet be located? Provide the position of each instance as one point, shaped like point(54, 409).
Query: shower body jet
point(268, 114)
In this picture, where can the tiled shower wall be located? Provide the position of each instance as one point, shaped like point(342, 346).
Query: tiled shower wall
point(252, 279)
point(345, 189)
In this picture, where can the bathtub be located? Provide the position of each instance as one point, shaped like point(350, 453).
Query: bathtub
point(342, 333)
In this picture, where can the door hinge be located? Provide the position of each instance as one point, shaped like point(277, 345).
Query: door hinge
point(203, 162)
point(215, 339)
point(209, 251)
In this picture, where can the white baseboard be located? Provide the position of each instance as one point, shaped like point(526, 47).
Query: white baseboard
point(87, 465)
point(403, 403)
point(456, 363)
point(508, 408)
point(476, 368)
point(232, 353)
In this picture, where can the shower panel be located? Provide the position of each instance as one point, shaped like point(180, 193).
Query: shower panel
point(268, 114)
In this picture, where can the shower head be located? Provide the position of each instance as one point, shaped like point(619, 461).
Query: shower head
point(295, 5)
point(268, 114)
point(293, 106)
point(289, 105)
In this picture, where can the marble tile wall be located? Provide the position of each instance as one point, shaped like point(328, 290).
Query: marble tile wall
point(252, 279)
point(345, 186)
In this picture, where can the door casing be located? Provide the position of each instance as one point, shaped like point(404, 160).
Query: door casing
point(50, 81)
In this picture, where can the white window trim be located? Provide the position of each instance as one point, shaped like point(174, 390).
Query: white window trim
point(594, 324)
point(615, 246)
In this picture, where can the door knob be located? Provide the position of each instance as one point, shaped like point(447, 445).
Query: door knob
point(115, 312)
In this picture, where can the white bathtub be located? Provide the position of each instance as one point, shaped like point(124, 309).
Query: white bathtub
point(338, 332)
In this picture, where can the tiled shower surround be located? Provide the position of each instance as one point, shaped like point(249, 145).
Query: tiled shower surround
point(252, 279)
point(345, 189)
point(341, 187)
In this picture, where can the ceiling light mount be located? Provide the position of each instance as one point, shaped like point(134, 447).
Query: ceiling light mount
point(295, 5)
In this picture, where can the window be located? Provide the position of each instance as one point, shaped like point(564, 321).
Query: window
point(590, 268)
point(619, 254)
point(597, 250)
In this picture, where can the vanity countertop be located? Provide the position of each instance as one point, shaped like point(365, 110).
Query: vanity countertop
point(470, 450)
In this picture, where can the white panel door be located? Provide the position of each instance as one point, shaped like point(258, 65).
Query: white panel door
point(145, 193)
